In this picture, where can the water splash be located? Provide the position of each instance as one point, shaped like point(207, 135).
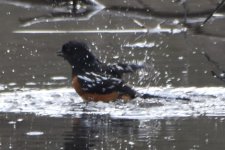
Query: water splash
point(208, 101)
point(143, 44)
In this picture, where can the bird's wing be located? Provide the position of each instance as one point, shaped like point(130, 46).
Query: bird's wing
point(125, 67)
point(117, 70)
point(96, 83)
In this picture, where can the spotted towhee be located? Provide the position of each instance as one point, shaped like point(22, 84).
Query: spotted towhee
point(96, 81)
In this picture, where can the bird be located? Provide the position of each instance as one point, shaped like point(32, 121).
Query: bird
point(97, 81)
point(79, 57)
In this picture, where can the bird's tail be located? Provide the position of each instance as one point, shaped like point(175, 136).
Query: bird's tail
point(126, 90)
point(149, 96)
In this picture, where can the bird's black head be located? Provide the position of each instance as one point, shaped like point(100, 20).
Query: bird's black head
point(77, 54)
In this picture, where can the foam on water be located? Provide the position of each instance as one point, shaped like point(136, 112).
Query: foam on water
point(208, 101)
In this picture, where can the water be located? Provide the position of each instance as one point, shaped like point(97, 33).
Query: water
point(65, 102)
point(90, 131)
point(40, 110)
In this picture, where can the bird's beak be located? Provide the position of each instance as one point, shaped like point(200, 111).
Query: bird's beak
point(59, 53)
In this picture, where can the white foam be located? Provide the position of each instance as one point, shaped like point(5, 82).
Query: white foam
point(208, 101)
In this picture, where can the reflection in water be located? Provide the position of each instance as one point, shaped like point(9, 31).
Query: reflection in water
point(79, 137)
point(102, 132)
point(157, 29)
point(220, 76)
point(75, 6)
point(78, 10)
point(83, 10)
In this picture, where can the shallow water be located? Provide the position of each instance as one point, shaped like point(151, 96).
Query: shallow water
point(64, 101)
point(91, 131)
point(39, 109)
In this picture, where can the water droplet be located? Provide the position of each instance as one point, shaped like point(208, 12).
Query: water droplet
point(30, 83)
point(222, 74)
point(207, 141)
point(20, 120)
point(11, 122)
point(116, 57)
point(184, 72)
point(34, 133)
point(10, 146)
point(176, 21)
point(12, 84)
point(181, 58)
point(8, 13)
point(59, 78)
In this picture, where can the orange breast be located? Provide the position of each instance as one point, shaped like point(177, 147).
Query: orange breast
point(95, 96)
